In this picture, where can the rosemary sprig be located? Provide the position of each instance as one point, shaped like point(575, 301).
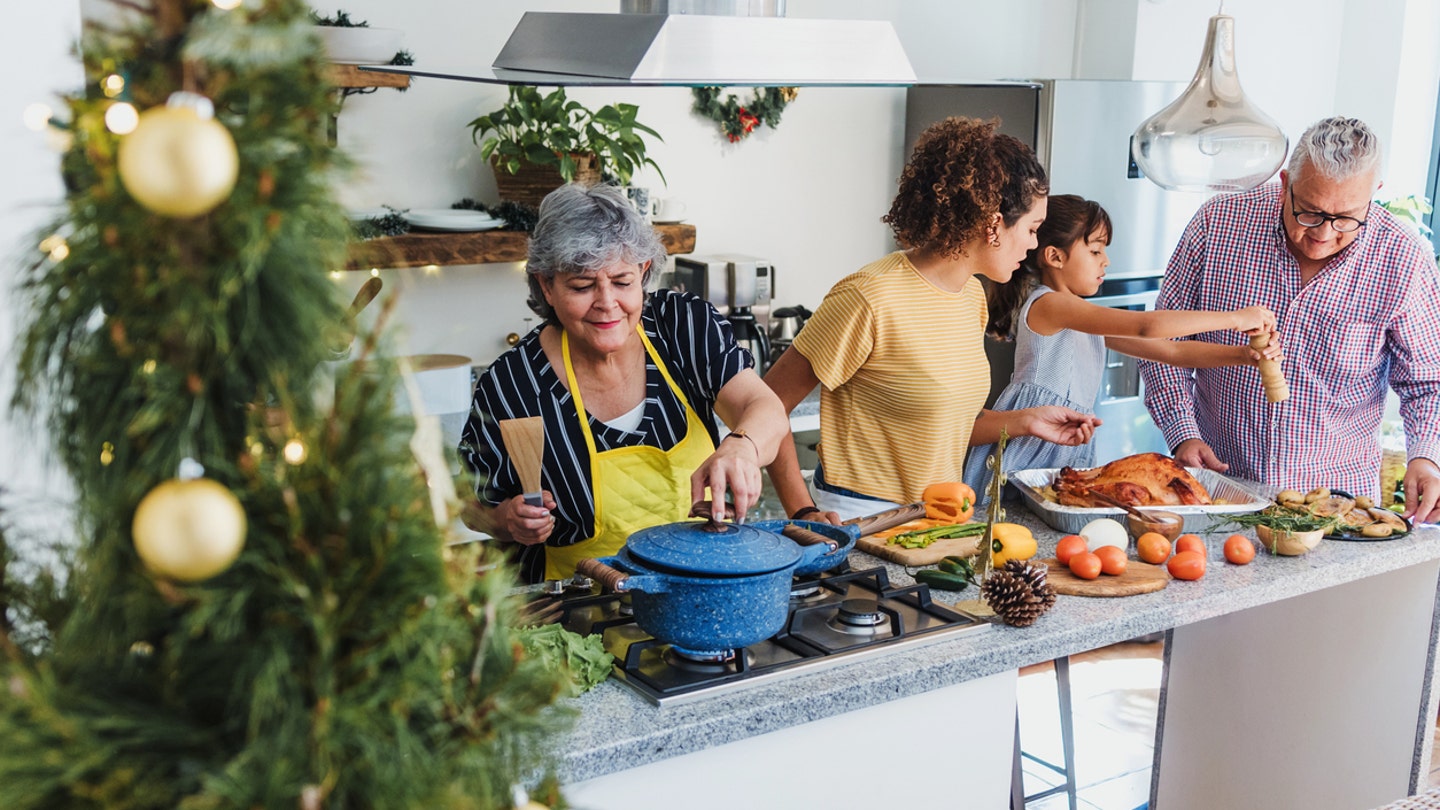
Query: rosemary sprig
point(1279, 518)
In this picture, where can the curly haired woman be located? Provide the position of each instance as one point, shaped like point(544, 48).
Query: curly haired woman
point(899, 344)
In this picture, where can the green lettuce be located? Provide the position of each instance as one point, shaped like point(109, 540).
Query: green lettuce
point(582, 657)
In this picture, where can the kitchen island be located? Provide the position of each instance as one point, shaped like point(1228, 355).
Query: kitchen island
point(1275, 671)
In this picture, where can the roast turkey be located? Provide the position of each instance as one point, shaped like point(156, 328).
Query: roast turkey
point(1144, 479)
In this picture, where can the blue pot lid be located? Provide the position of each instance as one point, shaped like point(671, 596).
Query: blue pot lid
point(717, 549)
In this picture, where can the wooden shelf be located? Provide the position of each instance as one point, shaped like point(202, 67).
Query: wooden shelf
point(353, 76)
point(421, 249)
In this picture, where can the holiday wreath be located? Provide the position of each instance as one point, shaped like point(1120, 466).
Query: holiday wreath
point(738, 120)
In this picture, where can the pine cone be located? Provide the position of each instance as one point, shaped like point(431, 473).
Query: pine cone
point(1036, 575)
point(1018, 593)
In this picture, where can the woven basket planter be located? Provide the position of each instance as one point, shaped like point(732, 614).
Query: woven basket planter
point(533, 182)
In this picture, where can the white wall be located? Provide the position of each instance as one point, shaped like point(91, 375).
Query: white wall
point(38, 37)
point(809, 194)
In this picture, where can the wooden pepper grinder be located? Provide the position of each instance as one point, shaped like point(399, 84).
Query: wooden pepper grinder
point(1276, 389)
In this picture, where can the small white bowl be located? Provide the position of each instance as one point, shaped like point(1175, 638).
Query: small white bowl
point(360, 46)
point(1288, 544)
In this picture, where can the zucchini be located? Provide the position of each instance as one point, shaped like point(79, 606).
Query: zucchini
point(943, 580)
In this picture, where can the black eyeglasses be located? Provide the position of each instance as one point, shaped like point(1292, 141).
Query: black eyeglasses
point(1314, 219)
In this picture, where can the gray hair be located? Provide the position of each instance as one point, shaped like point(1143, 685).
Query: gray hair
point(583, 229)
point(1339, 148)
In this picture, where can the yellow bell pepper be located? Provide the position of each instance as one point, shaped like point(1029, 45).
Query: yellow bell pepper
point(1011, 541)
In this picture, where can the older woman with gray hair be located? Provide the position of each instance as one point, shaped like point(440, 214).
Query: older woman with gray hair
point(1355, 291)
point(629, 384)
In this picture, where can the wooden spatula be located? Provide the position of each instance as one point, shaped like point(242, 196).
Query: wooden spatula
point(525, 443)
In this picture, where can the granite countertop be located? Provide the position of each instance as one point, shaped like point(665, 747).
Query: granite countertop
point(618, 730)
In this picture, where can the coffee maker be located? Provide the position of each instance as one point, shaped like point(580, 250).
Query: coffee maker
point(740, 288)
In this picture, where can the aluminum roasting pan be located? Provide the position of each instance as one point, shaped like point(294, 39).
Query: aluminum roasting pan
point(1238, 499)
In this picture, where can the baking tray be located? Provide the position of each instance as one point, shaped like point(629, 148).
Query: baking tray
point(1238, 499)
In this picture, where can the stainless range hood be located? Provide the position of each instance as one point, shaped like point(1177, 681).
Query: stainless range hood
point(692, 43)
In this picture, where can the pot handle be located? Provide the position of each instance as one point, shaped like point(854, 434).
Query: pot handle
point(807, 537)
point(617, 580)
point(888, 519)
point(703, 509)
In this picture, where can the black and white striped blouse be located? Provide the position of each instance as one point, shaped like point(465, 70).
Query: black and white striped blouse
point(699, 350)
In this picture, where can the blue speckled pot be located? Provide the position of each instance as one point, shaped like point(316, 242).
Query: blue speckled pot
point(845, 536)
point(706, 614)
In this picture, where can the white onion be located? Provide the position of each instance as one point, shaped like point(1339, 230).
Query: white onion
point(1105, 532)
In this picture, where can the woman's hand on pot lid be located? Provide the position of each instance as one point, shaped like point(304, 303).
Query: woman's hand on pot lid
point(734, 468)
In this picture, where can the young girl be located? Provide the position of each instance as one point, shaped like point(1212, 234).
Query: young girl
point(1060, 339)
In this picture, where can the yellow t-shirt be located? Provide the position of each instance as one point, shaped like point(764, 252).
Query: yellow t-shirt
point(904, 374)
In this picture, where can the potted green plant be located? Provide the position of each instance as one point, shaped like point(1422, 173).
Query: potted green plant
point(536, 142)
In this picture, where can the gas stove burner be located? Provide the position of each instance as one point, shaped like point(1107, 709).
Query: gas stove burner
point(709, 662)
point(803, 591)
point(860, 617)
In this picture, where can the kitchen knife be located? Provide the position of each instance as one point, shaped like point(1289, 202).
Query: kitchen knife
point(525, 444)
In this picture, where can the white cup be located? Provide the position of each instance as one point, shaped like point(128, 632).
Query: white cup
point(639, 198)
point(668, 209)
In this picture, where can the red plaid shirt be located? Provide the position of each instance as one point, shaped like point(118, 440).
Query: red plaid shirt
point(1370, 318)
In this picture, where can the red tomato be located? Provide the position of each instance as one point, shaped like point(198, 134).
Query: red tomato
point(1085, 565)
point(1187, 565)
point(1112, 560)
point(1190, 542)
point(1152, 547)
point(1069, 546)
point(1239, 549)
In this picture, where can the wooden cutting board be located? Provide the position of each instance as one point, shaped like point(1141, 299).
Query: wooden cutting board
point(1139, 577)
point(879, 546)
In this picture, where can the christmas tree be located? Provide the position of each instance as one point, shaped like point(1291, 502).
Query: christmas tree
point(258, 608)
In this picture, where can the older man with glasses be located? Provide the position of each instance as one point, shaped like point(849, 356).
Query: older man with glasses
point(1358, 297)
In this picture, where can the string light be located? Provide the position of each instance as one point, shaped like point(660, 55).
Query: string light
point(112, 85)
point(431, 269)
point(226, 5)
point(55, 245)
point(107, 454)
point(295, 452)
point(257, 449)
point(122, 118)
point(148, 367)
point(374, 272)
point(37, 116)
point(336, 275)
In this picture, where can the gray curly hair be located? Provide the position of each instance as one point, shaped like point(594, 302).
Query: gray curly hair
point(1339, 148)
point(583, 229)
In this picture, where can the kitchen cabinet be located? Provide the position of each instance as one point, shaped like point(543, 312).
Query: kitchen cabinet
point(1281, 674)
point(479, 247)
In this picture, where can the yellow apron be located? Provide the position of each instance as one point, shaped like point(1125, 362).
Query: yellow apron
point(634, 487)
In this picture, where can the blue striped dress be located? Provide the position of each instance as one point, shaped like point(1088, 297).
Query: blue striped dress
point(699, 350)
point(1060, 369)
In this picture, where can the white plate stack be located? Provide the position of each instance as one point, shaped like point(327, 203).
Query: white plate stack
point(451, 219)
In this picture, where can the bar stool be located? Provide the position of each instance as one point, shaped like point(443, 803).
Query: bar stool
point(1067, 747)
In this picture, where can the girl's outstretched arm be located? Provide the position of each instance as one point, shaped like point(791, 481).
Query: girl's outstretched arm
point(1196, 353)
point(1063, 310)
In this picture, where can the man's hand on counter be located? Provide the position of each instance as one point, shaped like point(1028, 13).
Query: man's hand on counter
point(1422, 491)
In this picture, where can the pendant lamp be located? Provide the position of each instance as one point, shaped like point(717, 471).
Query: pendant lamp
point(1212, 138)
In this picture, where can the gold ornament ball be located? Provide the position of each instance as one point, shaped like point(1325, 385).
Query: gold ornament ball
point(189, 530)
point(177, 163)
